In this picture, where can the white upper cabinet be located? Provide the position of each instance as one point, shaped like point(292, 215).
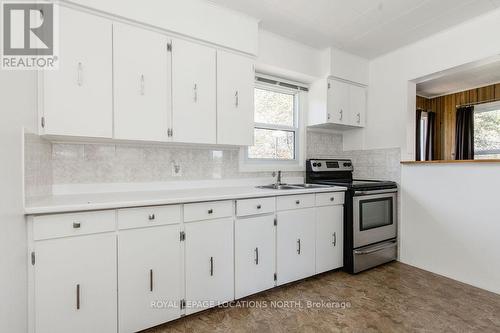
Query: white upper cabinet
point(235, 104)
point(337, 103)
point(76, 99)
point(142, 84)
point(357, 99)
point(194, 92)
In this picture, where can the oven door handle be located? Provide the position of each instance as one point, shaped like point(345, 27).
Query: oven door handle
point(392, 190)
point(378, 248)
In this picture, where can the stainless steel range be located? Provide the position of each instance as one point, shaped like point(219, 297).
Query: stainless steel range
point(370, 213)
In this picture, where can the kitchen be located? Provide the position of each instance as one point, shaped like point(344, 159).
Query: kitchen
point(174, 172)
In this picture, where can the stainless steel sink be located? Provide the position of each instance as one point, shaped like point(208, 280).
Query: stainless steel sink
point(309, 186)
point(278, 187)
point(291, 186)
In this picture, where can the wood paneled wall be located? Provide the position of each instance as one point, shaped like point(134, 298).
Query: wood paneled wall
point(445, 108)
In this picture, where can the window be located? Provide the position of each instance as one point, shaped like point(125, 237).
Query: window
point(278, 129)
point(487, 131)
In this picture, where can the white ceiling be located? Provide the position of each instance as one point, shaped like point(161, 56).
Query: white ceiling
point(460, 79)
point(368, 28)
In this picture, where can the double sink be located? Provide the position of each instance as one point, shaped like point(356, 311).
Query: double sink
point(291, 186)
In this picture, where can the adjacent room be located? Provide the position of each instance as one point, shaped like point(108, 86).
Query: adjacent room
point(250, 166)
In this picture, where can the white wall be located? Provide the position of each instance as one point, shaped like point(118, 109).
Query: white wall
point(451, 224)
point(290, 59)
point(17, 110)
point(390, 118)
point(195, 18)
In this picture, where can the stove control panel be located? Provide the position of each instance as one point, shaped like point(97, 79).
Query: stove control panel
point(330, 165)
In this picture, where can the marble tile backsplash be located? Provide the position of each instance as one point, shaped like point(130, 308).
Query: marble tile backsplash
point(48, 164)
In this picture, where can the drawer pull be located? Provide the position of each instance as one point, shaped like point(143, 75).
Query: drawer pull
point(76, 225)
point(259, 206)
point(151, 280)
point(297, 202)
point(210, 211)
point(151, 217)
point(78, 296)
point(332, 199)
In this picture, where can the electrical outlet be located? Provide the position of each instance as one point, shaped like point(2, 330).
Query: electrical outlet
point(176, 169)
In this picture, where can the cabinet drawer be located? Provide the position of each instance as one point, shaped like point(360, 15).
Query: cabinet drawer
point(295, 201)
point(148, 216)
point(63, 225)
point(207, 210)
point(329, 199)
point(255, 206)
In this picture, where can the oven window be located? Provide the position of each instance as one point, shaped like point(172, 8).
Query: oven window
point(375, 213)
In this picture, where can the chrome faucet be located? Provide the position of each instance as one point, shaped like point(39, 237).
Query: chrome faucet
point(278, 178)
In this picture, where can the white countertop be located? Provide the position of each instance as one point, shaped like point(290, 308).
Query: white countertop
point(99, 201)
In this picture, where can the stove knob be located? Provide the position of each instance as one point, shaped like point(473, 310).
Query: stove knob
point(319, 165)
point(315, 164)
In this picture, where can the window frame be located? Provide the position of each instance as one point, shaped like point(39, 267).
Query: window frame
point(270, 164)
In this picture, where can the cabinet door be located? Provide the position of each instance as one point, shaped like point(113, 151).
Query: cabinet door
point(254, 255)
point(194, 92)
point(209, 264)
point(149, 277)
point(77, 98)
point(235, 106)
point(295, 245)
point(75, 284)
point(357, 105)
point(329, 238)
point(338, 102)
point(142, 80)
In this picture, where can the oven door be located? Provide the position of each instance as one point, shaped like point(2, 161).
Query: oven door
point(374, 216)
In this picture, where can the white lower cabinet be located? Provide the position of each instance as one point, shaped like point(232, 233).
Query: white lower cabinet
point(254, 255)
point(209, 264)
point(295, 246)
point(149, 277)
point(75, 284)
point(329, 238)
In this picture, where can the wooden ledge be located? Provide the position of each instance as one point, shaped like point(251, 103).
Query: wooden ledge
point(451, 161)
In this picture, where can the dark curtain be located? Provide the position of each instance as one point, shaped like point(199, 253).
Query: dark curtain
point(464, 135)
point(418, 156)
point(429, 140)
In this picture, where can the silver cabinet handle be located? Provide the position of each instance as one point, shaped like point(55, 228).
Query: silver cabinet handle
point(211, 266)
point(329, 116)
point(298, 246)
point(297, 202)
point(335, 239)
point(377, 248)
point(341, 114)
point(256, 255)
point(151, 280)
point(76, 225)
point(236, 99)
point(332, 199)
point(359, 118)
point(141, 86)
point(195, 92)
point(78, 296)
point(151, 217)
point(259, 206)
point(210, 211)
point(79, 74)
